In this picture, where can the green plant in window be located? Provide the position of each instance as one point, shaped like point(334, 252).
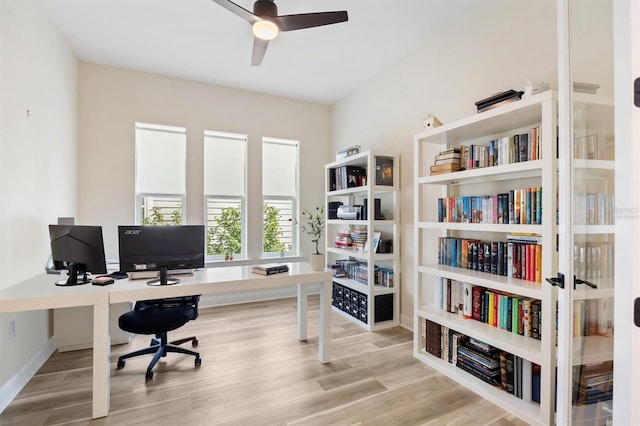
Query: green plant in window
point(272, 231)
point(224, 237)
point(156, 217)
point(176, 217)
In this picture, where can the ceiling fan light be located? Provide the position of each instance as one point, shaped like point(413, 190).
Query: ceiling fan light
point(265, 30)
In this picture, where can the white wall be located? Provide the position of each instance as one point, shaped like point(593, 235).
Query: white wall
point(113, 99)
point(38, 73)
point(489, 47)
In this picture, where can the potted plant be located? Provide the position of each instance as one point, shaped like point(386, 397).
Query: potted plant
point(313, 226)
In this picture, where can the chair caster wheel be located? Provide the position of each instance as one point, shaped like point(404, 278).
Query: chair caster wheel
point(120, 364)
point(194, 342)
point(148, 376)
point(198, 362)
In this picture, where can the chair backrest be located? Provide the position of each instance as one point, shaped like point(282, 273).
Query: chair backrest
point(173, 302)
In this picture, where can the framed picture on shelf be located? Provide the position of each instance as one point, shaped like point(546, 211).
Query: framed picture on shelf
point(384, 171)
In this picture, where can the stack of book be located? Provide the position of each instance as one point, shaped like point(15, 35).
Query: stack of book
point(595, 382)
point(359, 238)
point(447, 161)
point(269, 268)
point(343, 239)
point(481, 360)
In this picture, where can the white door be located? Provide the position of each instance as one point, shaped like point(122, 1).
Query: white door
point(626, 402)
point(587, 199)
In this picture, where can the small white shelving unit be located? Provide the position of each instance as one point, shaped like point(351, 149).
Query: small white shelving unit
point(370, 301)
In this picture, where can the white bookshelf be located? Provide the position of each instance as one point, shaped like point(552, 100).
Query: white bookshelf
point(515, 118)
point(378, 305)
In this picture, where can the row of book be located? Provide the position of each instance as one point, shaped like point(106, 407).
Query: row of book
point(347, 177)
point(358, 271)
point(518, 206)
point(506, 150)
point(593, 147)
point(518, 257)
point(593, 260)
point(512, 313)
point(591, 317)
point(515, 375)
point(593, 209)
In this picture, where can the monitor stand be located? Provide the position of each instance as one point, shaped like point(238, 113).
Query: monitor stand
point(164, 278)
point(77, 275)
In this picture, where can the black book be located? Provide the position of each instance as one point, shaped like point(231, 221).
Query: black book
point(523, 149)
point(269, 268)
point(487, 257)
point(332, 180)
point(494, 257)
point(492, 380)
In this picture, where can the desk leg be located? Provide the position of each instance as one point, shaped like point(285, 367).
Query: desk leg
point(324, 346)
point(302, 311)
point(101, 352)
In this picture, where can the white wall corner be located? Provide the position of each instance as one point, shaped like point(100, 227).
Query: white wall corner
point(14, 385)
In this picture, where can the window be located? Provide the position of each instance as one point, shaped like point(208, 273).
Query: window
point(280, 196)
point(225, 158)
point(160, 174)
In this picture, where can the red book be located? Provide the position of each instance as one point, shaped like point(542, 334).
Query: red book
point(476, 301)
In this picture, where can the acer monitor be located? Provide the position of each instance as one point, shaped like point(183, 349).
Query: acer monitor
point(78, 249)
point(169, 250)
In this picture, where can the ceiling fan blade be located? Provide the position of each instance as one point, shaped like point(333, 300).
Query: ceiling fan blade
point(259, 49)
point(309, 20)
point(238, 10)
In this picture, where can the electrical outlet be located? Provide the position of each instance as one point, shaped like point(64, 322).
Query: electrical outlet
point(12, 329)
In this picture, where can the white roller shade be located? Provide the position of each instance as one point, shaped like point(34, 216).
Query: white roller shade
point(224, 168)
point(160, 159)
point(279, 168)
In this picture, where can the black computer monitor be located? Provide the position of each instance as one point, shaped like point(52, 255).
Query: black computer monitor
point(79, 249)
point(161, 248)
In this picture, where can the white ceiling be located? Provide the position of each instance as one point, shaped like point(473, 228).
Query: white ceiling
point(200, 40)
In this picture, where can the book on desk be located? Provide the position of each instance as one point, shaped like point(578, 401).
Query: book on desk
point(270, 268)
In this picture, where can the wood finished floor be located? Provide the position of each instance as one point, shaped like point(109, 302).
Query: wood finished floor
point(255, 372)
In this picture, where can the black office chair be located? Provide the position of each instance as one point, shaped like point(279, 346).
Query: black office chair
point(159, 317)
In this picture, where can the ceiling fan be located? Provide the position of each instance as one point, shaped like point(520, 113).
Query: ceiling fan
point(267, 24)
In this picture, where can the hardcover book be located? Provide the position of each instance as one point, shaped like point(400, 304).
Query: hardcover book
point(269, 268)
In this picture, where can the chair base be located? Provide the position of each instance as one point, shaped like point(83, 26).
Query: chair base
point(159, 348)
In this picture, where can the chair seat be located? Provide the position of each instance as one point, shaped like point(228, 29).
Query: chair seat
point(155, 319)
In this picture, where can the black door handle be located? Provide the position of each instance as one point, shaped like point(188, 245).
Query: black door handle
point(579, 281)
point(558, 281)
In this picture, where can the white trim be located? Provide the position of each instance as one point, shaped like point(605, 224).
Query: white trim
point(14, 385)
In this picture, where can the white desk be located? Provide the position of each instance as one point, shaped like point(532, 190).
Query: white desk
point(40, 293)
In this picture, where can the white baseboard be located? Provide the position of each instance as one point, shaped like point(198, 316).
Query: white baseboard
point(14, 385)
point(406, 321)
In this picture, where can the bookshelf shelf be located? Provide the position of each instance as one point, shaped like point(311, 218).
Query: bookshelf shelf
point(486, 280)
point(536, 118)
point(524, 347)
point(592, 349)
point(526, 410)
point(482, 227)
point(369, 305)
point(502, 172)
